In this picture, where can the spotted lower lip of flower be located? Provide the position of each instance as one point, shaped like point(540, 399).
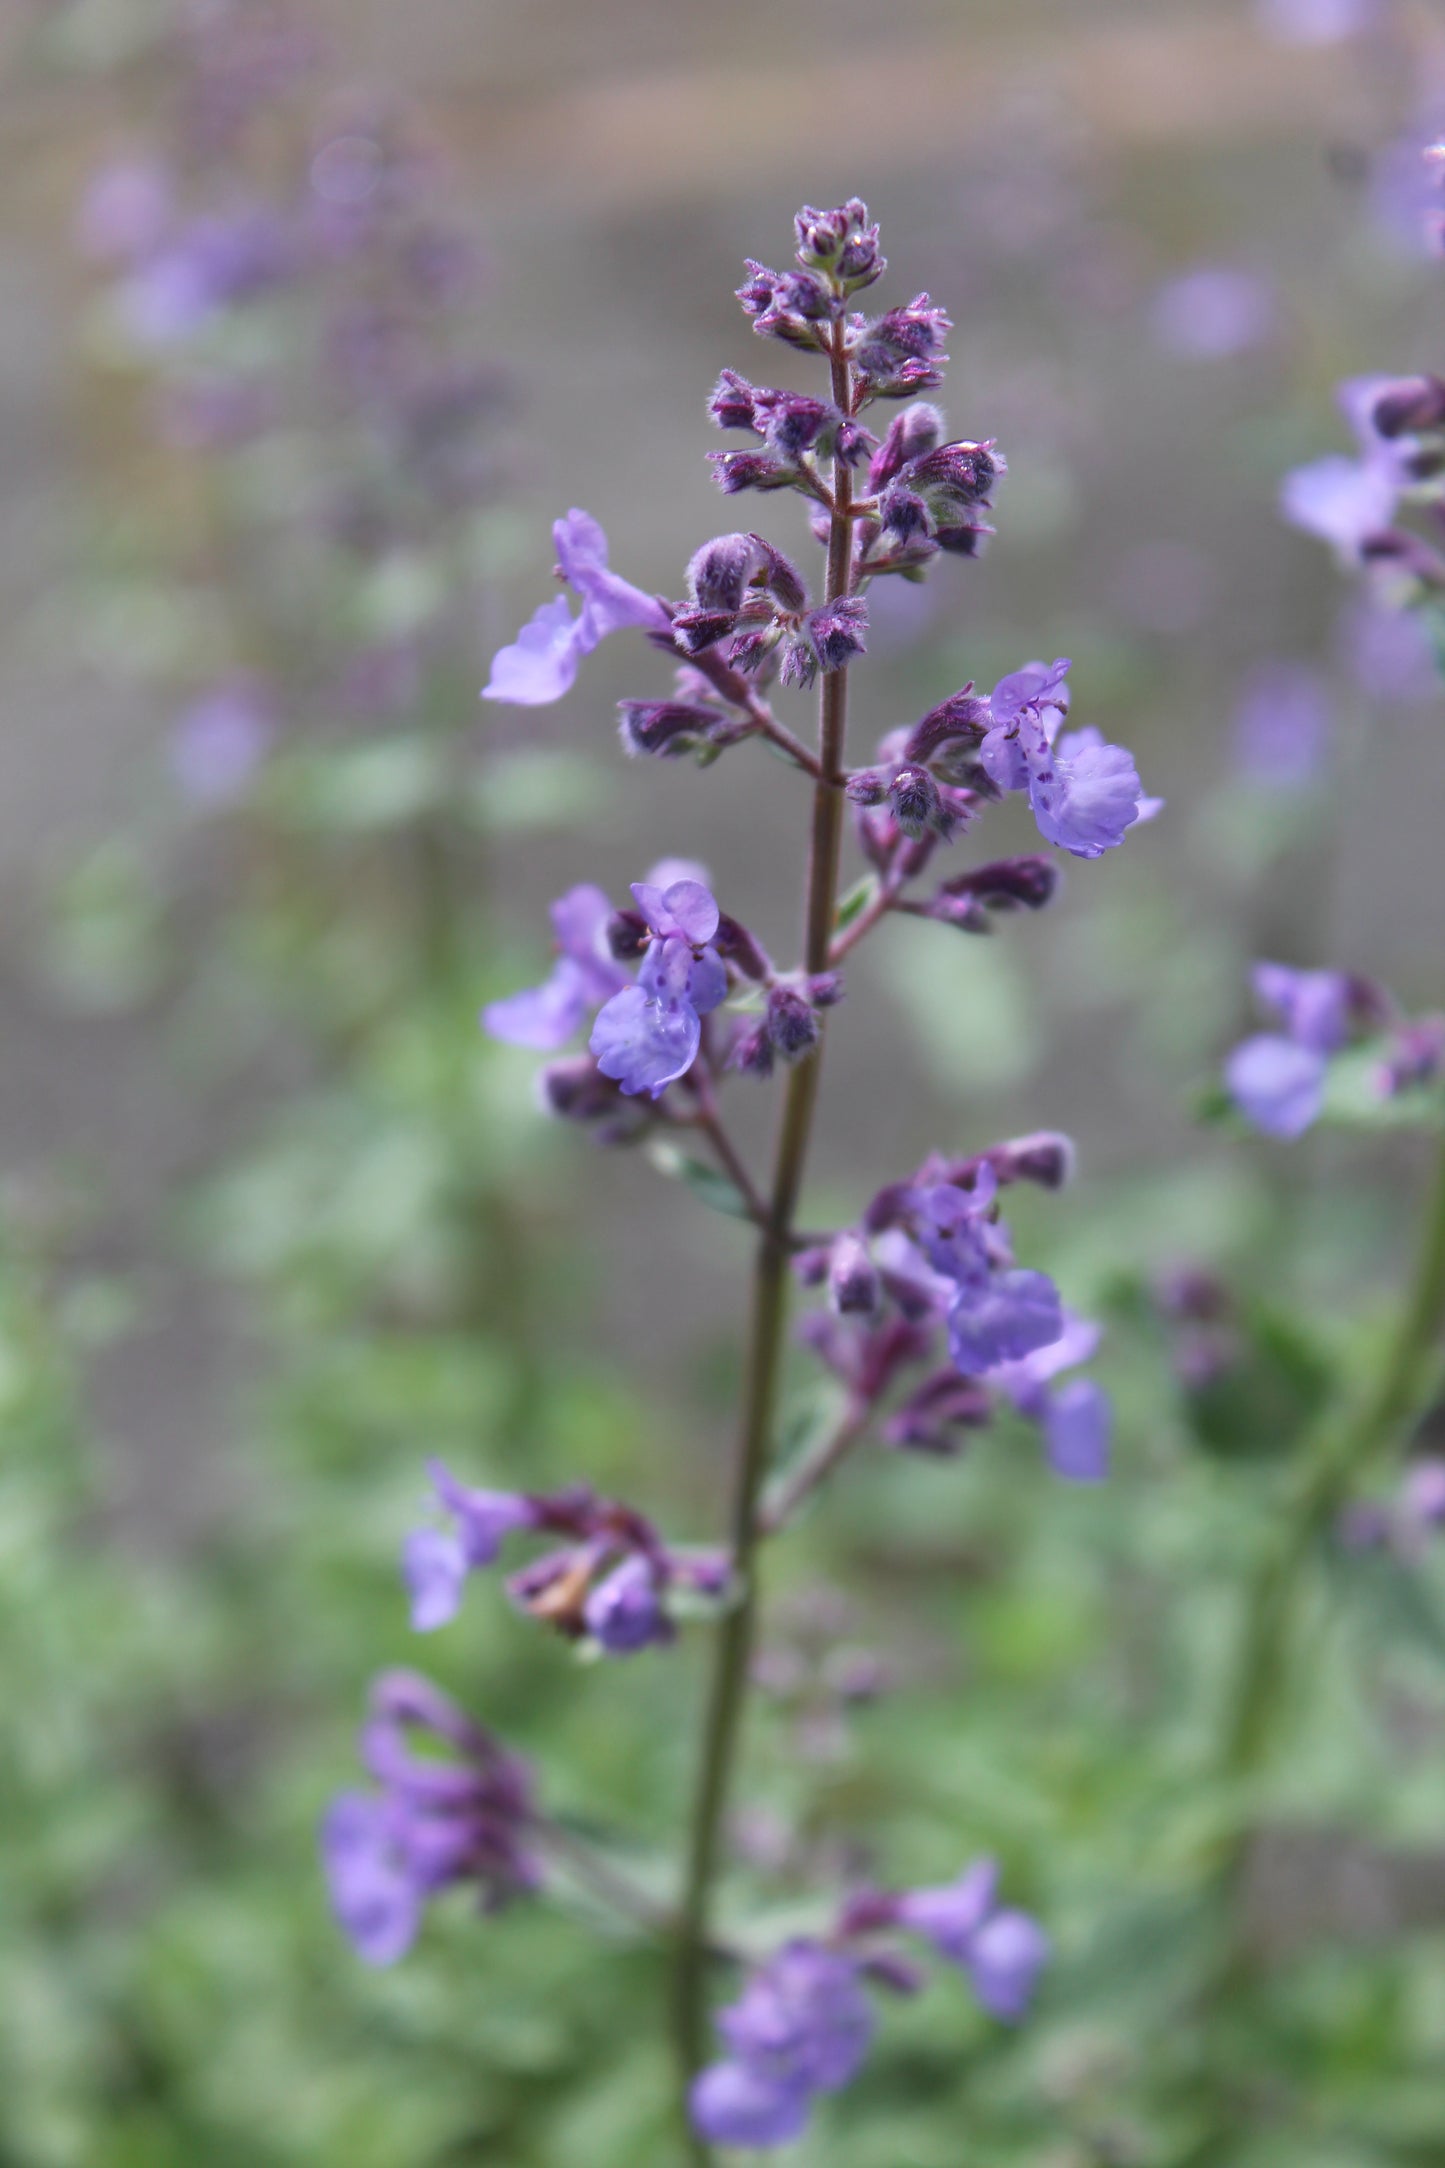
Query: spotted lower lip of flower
point(541, 663)
point(647, 1036)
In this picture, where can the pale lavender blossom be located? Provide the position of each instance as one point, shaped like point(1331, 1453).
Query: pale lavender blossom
point(1002, 1951)
point(437, 1561)
point(1346, 502)
point(648, 1035)
point(625, 1611)
point(1005, 1960)
point(1214, 312)
point(1282, 725)
point(1276, 1084)
point(1084, 793)
point(541, 664)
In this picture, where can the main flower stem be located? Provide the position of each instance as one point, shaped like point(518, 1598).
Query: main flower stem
point(767, 1322)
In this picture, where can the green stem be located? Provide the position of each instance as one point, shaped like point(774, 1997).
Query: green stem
point(768, 1318)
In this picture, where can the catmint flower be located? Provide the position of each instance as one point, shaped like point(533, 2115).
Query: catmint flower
point(1008, 1953)
point(1084, 794)
point(205, 267)
point(624, 1612)
point(1277, 1079)
point(431, 1824)
point(436, 1561)
point(997, 1312)
point(1346, 502)
point(801, 2027)
point(541, 664)
point(647, 1035)
point(584, 977)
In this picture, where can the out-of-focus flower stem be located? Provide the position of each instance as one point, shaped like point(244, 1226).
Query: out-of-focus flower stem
point(1343, 1450)
point(768, 1319)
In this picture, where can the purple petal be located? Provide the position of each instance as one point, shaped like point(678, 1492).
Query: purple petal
point(1085, 796)
point(434, 1568)
point(707, 982)
point(1076, 1431)
point(483, 1517)
point(950, 1915)
point(1005, 1319)
point(693, 910)
point(610, 602)
point(644, 1044)
point(541, 664)
point(1036, 684)
point(731, 2104)
point(1343, 501)
point(1008, 1953)
point(624, 1612)
point(1275, 1084)
point(544, 1017)
point(1313, 1006)
point(371, 1893)
point(1024, 1382)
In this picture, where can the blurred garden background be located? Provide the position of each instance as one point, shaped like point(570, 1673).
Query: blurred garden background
point(277, 1223)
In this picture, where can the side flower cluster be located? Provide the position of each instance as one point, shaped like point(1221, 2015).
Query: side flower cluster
point(1277, 1079)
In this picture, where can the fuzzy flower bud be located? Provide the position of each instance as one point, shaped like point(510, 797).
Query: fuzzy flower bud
point(718, 574)
point(910, 434)
point(731, 403)
point(733, 471)
point(792, 1024)
point(840, 242)
point(853, 1285)
point(666, 727)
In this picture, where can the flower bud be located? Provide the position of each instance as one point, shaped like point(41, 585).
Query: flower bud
point(836, 632)
point(903, 515)
point(826, 989)
point(929, 1421)
point(733, 471)
point(694, 630)
point(666, 727)
point(853, 1285)
point(1409, 405)
point(733, 941)
point(779, 575)
point(915, 801)
point(910, 434)
point(965, 718)
point(1007, 884)
point(791, 423)
point(868, 786)
point(791, 1023)
point(718, 573)
point(1045, 1158)
point(731, 403)
point(966, 540)
point(751, 1053)
point(957, 474)
point(840, 242)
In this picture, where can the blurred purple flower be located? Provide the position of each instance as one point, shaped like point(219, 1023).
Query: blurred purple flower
point(1344, 501)
point(1282, 725)
point(432, 1823)
point(1084, 793)
point(1389, 652)
point(436, 1561)
point(802, 2026)
point(126, 210)
point(1214, 312)
point(1276, 1085)
point(584, 976)
point(1003, 1952)
point(541, 664)
point(210, 264)
point(220, 741)
point(1316, 22)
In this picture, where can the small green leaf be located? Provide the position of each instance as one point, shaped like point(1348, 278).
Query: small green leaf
point(857, 900)
point(706, 1183)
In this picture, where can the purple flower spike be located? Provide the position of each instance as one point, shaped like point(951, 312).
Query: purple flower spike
point(624, 1612)
point(1276, 1084)
point(648, 1035)
point(545, 1017)
point(1005, 1959)
point(541, 664)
